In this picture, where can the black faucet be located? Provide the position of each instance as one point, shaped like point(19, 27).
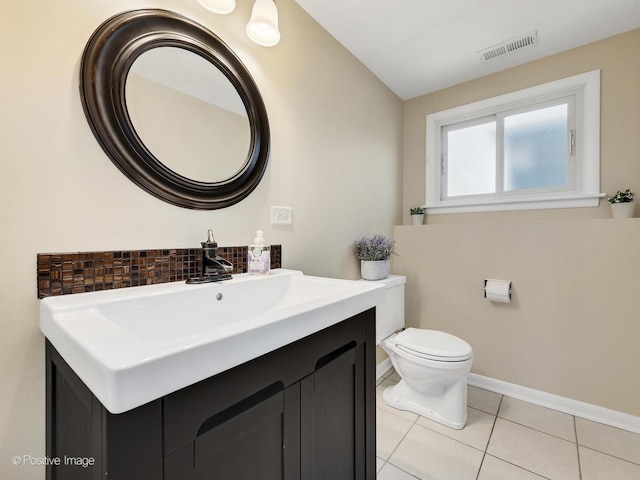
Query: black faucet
point(213, 267)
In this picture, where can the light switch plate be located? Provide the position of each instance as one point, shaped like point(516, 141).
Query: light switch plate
point(281, 216)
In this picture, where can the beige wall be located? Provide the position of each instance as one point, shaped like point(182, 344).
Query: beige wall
point(335, 158)
point(573, 325)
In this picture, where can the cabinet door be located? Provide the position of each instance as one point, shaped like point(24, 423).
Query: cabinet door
point(256, 438)
point(91, 443)
point(333, 417)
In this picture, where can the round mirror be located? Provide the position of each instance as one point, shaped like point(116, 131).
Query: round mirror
point(174, 109)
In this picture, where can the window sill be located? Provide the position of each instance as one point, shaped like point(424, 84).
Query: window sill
point(509, 204)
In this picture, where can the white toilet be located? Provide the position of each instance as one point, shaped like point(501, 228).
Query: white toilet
point(433, 365)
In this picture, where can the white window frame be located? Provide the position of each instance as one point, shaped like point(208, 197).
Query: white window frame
point(585, 191)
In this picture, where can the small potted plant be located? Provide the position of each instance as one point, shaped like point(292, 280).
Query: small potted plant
point(417, 215)
point(374, 254)
point(622, 204)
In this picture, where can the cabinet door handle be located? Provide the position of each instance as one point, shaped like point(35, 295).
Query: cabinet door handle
point(330, 357)
point(240, 407)
point(238, 421)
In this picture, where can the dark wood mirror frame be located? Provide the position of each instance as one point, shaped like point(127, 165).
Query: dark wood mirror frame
point(106, 61)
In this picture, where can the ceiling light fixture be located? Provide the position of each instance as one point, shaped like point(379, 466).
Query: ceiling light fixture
point(218, 6)
point(263, 25)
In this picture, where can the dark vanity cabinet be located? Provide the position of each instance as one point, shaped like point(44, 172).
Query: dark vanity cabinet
point(304, 411)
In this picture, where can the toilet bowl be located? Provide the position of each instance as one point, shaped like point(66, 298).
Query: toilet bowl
point(433, 365)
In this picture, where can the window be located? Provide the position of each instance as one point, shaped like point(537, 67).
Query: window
point(535, 148)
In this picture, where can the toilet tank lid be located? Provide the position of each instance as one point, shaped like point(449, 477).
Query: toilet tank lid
point(390, 281)
point(434, 343)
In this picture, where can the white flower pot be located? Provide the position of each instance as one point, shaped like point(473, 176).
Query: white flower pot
point(623, 210)
point(417, 219)
point(374, 269)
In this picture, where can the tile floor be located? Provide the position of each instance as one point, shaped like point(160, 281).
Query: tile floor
point(504, 439)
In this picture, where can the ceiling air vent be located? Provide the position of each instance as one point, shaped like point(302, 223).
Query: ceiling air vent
point(504, 48)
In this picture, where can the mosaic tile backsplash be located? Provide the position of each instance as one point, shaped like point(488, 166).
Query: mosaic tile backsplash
point(65, 273)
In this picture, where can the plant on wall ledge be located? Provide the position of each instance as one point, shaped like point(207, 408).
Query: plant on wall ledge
point(622, 204)
point(622, 197)
point(417, 215)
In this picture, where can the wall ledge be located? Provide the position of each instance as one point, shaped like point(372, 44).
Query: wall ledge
point(600, 221)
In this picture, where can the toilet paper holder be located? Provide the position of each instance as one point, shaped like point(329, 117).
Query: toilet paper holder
point(506, 282)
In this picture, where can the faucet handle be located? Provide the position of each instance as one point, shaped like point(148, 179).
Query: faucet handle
point(210, 244)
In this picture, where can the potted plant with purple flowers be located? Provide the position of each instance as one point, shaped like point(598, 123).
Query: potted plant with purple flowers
point(374, 254)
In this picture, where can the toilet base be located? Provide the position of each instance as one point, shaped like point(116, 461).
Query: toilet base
point(452, 415)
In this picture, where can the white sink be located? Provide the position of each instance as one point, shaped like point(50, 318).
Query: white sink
point(134, 345)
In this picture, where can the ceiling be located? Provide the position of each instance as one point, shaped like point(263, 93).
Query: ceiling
point(420, 46)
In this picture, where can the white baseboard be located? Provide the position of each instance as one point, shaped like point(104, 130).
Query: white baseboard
point(383, 367)
point(588, 411)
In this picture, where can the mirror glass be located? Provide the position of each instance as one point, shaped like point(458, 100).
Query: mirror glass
point(179, 102)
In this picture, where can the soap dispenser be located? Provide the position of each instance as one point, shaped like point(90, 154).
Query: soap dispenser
point(259, 256)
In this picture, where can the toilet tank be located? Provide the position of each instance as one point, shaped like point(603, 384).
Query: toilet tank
point(390, 311)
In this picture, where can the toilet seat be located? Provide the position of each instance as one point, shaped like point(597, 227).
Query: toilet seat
point(433, 345)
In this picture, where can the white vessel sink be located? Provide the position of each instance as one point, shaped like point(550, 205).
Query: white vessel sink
point(134, 345)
